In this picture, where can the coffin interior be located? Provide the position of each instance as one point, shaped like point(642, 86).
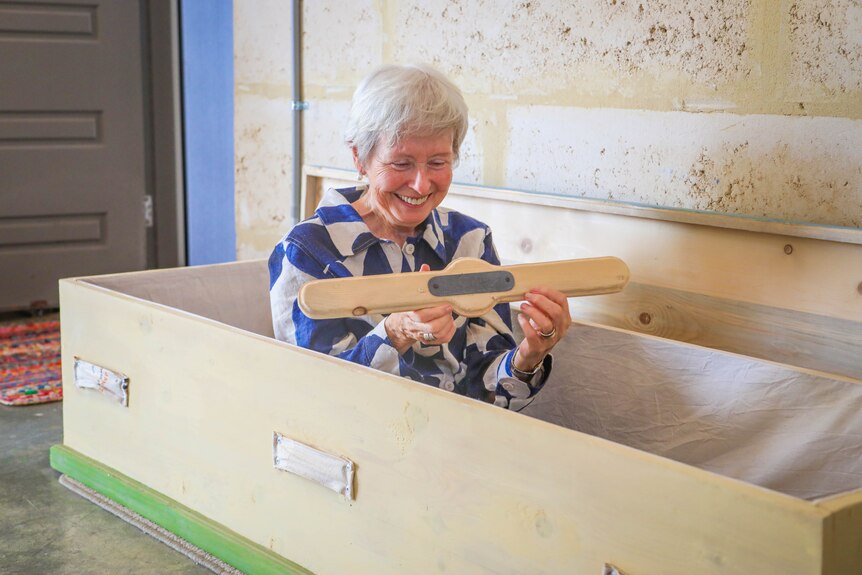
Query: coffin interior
point(787, 429)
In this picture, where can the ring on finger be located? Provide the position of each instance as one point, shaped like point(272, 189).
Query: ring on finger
point(428, 336)
point(550, 334)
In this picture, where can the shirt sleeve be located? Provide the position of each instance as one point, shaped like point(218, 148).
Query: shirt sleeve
point(361, 340)
point(489, 352)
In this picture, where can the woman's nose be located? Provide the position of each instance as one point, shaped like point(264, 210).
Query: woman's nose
point(421, 181)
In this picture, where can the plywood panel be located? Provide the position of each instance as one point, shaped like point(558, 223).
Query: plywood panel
point(722, 412)
point(843, 533)
point(313, 187)
point(441, 480)
point(236, 294)
point(823, 343)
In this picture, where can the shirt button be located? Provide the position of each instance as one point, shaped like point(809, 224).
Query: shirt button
point(448, 385)
point(508, 386)
point(409, 248)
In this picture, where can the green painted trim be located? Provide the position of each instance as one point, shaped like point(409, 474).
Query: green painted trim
point(212, 537)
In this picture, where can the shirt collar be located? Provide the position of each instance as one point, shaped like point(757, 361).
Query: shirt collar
point(351, 235)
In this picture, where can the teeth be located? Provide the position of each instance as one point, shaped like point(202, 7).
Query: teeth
point(414, 201)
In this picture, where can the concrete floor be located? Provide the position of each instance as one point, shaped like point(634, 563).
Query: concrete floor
point(46, 529)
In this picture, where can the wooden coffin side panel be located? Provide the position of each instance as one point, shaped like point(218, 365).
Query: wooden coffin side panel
point(813, 341)
point(787, 429)
point(842, 533)
point(732, 415)
point(235, 293)
point(443, 482)
point(789, 293)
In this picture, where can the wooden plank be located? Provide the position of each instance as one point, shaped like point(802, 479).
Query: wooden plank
point(586, 359)
point(822, 343)
point(786, 429)
point(388, 293)
point(249, 280)
point(842, 535)
point(633, 374)
point(441, 480)
point(215, 539)
point(312, 191)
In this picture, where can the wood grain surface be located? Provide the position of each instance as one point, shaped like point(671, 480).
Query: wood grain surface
point(356, 296)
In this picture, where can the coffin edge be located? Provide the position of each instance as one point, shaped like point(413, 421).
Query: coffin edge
point(212, 537)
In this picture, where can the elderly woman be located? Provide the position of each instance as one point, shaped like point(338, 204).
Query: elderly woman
point(406, 127)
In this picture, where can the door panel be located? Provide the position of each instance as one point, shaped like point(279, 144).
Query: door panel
point(72, 148)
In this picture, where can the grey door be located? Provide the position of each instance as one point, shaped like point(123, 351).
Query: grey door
point(72, 147)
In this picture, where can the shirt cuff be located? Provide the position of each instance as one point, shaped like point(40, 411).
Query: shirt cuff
point(511, 391)
point(539, 377)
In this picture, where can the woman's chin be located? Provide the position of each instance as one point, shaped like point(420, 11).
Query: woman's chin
point(408, 213)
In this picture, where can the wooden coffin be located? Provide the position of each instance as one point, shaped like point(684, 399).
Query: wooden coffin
point(644, 455)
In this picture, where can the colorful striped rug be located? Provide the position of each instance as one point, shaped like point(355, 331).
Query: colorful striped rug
point(30, 363)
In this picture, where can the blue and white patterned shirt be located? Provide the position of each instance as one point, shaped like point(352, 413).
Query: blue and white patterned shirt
point(336, 243)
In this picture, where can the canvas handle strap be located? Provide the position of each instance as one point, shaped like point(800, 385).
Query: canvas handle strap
point(472, 286)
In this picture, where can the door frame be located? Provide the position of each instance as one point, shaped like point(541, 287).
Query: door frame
point(166, 238)
point(188, 79)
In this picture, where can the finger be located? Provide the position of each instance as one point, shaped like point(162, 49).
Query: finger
point(418, 328)
point(435, 325)
point(528, 330)
point(439, 325)
point(560, 299)
point(442, 324)
point(549, 307)
point(443, 334)
point(554, 304)
point(537, 319)
point(429, 314)
point(532, 346)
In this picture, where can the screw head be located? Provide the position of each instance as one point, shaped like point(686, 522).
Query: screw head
point(788, 249)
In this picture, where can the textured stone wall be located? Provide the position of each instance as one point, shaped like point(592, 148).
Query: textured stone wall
point(738, 106)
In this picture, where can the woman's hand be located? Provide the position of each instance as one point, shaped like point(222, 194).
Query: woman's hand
point(544, 319)
point(431, 326)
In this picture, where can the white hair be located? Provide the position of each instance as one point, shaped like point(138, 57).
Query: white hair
point(396, 101)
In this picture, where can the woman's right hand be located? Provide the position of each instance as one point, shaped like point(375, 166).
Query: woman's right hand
point(407, 327)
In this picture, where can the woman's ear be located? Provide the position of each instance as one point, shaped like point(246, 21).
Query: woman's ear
point(356, 161)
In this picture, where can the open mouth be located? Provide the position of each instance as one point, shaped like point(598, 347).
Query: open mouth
point(413, 201)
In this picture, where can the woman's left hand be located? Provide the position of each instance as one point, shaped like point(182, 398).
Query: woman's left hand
point(544, 319)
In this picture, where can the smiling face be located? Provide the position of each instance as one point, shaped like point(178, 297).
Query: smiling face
point(405, 182)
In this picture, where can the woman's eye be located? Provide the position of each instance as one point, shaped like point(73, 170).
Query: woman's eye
point(437, 164)
point(401, 165)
